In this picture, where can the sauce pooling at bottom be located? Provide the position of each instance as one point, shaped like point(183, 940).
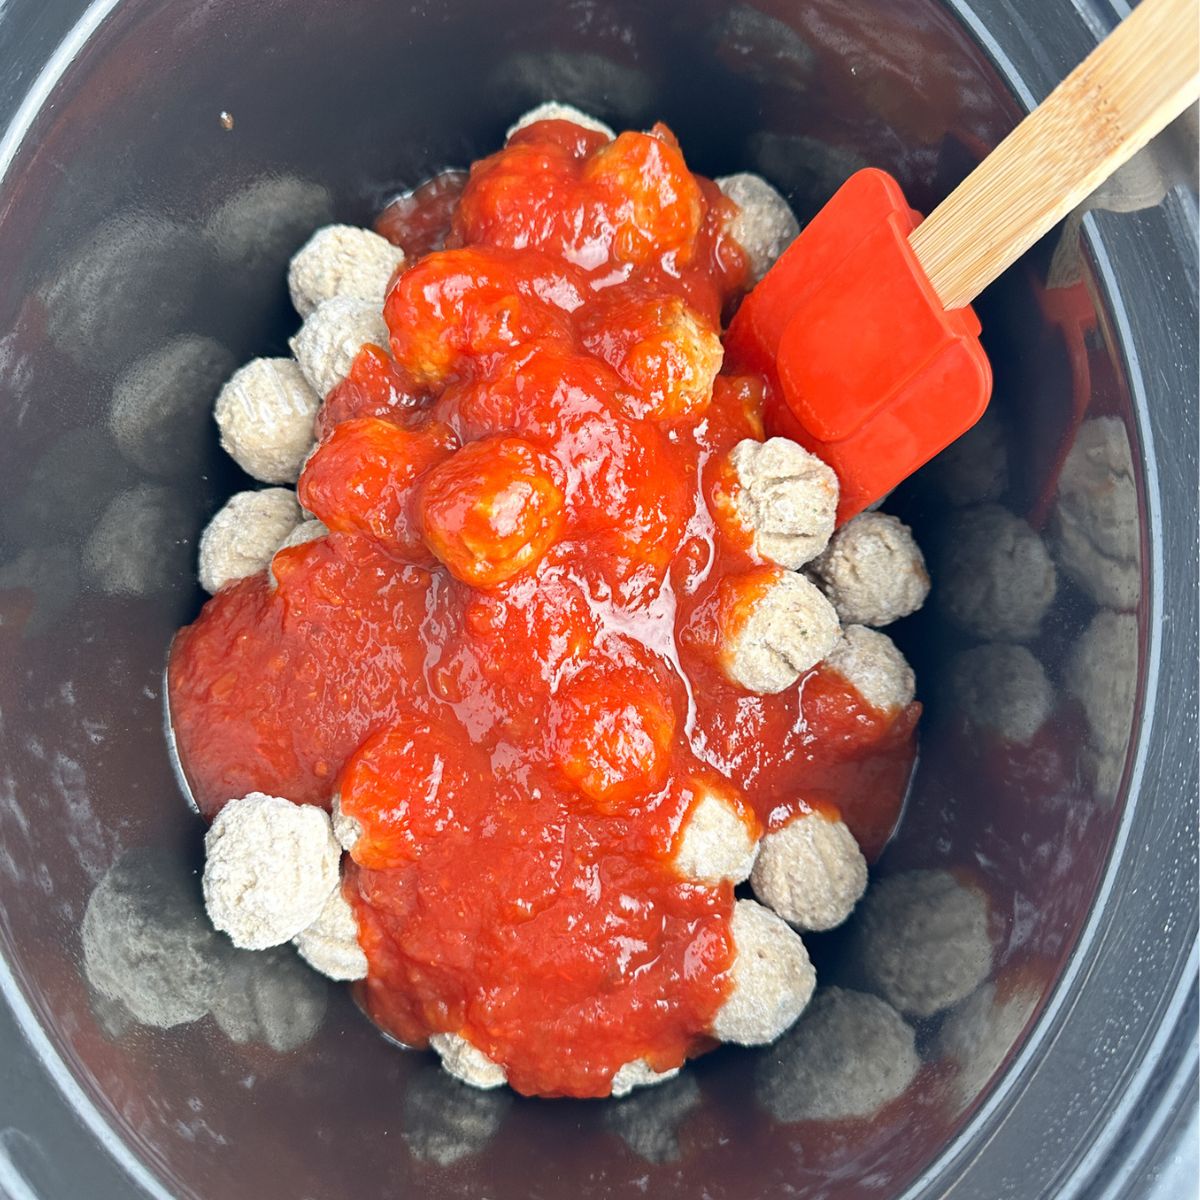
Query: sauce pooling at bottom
point(487, 661)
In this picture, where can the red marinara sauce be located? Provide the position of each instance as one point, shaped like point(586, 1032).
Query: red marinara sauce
point(487, 659)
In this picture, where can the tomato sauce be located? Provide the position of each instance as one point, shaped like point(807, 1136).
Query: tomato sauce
point(499, 658)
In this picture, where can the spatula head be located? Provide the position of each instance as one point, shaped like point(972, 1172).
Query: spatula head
point(867, 369)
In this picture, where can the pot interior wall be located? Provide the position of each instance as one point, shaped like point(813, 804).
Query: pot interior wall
point(143, 243)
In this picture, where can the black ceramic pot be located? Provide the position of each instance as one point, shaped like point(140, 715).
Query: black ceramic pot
point(162, 160)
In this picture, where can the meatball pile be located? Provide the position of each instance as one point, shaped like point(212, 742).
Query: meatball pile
point(485, 503)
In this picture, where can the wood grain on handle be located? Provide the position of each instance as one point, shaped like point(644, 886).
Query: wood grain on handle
point(1142, 76)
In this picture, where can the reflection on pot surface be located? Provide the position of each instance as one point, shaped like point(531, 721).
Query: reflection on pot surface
point(153, 958)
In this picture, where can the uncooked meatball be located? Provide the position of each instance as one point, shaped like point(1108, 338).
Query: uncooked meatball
point(870, 662)
point(873, 571)
point(265, 413)
point(995, 578)
point(849, 1055)
point(466, 1063)
point(765, 225)
point(811, 871)
point(243, 537)
point(342, 260)
point(921, 941)
point(271, 866)
point(552, 111)
point(333, 335)
point(786, 497)
point(1001, 688)
point(788, 628)
point(146, 944)
point(772, 978)
point(330, 944)
point(1096, 534)
point(717, 842)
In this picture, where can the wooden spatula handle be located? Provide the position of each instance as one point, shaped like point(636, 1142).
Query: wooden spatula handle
point(1129, 88)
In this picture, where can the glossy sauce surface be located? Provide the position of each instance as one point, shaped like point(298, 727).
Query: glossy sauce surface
point(498, 658)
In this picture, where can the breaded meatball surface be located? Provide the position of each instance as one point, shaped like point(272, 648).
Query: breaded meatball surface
point(265, 413)
point(811, 872)
point(788, 629)
point(341, 260)
point(270, 868)
point(242, 538)
point(870, 662)
point(765, 225)
point(787, 497)
point(772, 978)
point(873, 571)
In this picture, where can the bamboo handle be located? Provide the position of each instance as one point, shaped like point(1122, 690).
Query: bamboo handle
point(1142, 76)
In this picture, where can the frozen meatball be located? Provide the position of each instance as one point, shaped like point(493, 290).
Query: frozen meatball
point(873, 571)
point(265, 413)
point(307, 531)
point(160, 405)
point(718, 841)
point(1001, 688)
point(1095, 531)
point(140, 543)
point(649, 1121)
point(638, 1073)
point(848, 1056)
point(466, 1063)
point(270, 998)
point(1102, 674)
point(330, 944)
point(811, 872)
point(444, 1122)
point(973, 469)
point(772, 978)
point(332, 335)
point(270, 869)
point(552, 111)
point(146, 944)
point(786, 497)
point(784, 630)
point(921, 941)
point(979, 1033)
point(765, 226)
point(243, 537)
point(342, 260)
point(872, 665)
point(995, 578)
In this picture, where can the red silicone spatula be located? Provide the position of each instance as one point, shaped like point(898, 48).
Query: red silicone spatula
point(864, 324)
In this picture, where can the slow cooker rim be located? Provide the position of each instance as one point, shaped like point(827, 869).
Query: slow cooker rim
point(1174, 1092)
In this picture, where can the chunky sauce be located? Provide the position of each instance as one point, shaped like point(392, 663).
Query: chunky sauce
point(500, 657)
